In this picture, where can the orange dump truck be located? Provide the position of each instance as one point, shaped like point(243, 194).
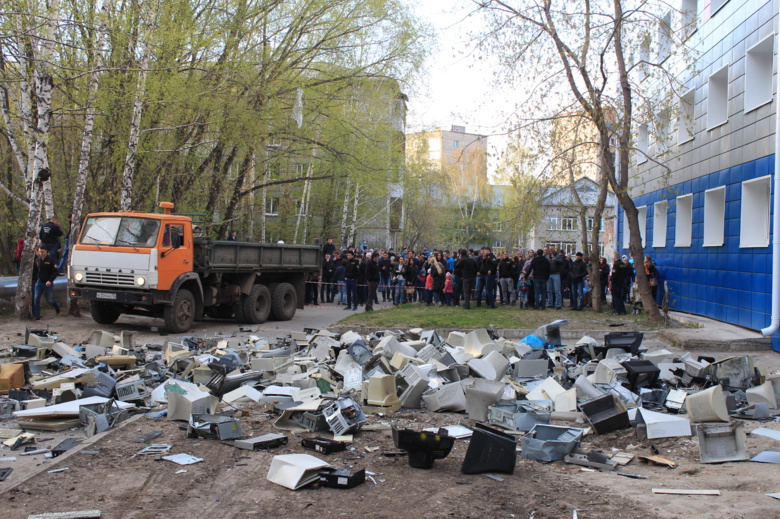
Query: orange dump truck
point(151, 264)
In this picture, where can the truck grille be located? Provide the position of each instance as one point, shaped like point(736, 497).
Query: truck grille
point(109, 278)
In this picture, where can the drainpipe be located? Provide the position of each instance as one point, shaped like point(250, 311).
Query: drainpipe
point(774, 326)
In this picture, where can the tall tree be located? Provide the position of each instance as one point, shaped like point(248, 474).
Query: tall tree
point(588, 54)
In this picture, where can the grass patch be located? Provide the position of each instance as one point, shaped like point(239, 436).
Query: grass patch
point(414, 315)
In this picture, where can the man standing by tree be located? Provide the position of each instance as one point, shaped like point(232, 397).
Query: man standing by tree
point(50, 237)
point(44, 272)
point(577, 275)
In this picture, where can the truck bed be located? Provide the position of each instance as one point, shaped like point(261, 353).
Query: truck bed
point(236, 256)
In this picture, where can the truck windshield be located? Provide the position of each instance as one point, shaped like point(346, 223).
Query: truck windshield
point(120, 231)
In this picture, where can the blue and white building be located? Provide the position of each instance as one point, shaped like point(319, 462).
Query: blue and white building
point(706, 212)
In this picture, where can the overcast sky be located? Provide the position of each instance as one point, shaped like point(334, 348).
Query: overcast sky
point(456, 87)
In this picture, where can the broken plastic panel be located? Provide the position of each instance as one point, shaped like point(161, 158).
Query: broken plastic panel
point(720, 442)
point(547, 443)
point(490, 450)
point(605, 413)
point(641, 373)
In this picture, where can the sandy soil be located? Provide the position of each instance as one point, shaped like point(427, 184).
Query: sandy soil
point(231, 483)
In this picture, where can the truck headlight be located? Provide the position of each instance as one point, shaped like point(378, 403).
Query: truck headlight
point(140, 281)
point(79, 276)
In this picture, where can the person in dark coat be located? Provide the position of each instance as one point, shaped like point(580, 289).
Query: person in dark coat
point(467, 269)
point(372, 279)
point(44, 274)
point(540, 274)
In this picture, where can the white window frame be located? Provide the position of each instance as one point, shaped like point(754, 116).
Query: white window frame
point(683, 228)
point(718, 98)
point(273, 209)
point(714, 217)
point(660, 225)
point(568, 224)
point(686, 122)
point(664, 36)
point(688, 18)
point(754, 218)
point(642, 143)
point(642, 217)
point(552, 223)
point(759, 60)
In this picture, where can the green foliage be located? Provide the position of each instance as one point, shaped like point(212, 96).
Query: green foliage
point(221, 102)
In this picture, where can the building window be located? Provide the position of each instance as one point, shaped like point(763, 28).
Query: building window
point(642, 217)
point(641, 144)
point(566, 247)
point(568, 224)
point(553, 224)
point(714, 216)
point(715, 5)
point(300, 169)
point(685, 118)
point(659, 224)
point(456, 144)
point(589, 223)
point(665, 37)
point(498, 226)
point(758, 74)
point(754, 221)
point(684, 221)
point(273, 207)
point(688, 11)
point(718, 100)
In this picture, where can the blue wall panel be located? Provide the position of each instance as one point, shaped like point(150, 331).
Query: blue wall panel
point(725, 283)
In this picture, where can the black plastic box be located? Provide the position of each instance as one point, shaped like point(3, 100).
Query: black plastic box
point(323, 445)
point(641, 373)
point(342, 478)
point(423, 447)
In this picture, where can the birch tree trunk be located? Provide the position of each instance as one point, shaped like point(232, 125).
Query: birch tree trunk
point(44, 85)
point(263, 197)
point(352, 225)
point(86, 144)
point(126, 200)
point(344, 209)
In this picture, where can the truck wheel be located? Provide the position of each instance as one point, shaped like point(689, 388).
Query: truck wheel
point(181, 314)
point(104, 313)
point(257, 305)
point(284, 301)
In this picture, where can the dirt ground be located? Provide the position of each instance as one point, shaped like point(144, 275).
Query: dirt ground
point(231, 483)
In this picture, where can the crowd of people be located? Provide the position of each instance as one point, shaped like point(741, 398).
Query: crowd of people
point(537, 280)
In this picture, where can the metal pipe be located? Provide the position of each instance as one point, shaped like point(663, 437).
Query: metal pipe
point(774, 325)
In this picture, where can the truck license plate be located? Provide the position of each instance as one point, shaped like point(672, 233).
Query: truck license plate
point(105, 295)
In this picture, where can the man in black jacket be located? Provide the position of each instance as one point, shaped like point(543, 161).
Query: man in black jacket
point(326, 280)
point(50, 237)
point(372, 278)
point(467, 270)
point(44, 272)
point(352, 270)
point(577, 275)
point(487, 266)
point(506, 271)
point(540, 273)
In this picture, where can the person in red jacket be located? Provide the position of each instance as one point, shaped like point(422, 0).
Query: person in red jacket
point(18, 253)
